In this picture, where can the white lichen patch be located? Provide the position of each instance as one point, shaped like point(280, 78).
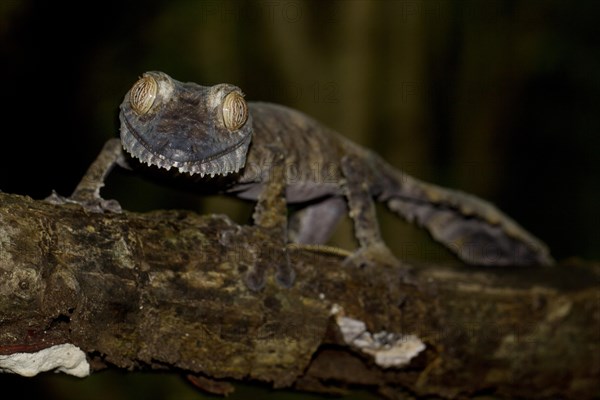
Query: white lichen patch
point(397, 352)
point(66, 358)
point(387, 348)
point(335, 310)
point(558, 309)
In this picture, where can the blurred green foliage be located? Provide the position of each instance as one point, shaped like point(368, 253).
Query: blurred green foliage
point(498, 98)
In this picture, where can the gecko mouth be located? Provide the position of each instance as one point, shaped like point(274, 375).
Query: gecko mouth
point(223, 163)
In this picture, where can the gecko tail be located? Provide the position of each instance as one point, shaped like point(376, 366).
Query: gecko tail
point(472, 228)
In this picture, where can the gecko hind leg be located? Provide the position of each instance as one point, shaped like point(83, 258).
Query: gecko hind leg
point(361, 207)
point(315, 223)
point(270, 215)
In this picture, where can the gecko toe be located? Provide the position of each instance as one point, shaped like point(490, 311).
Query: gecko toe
point(285, 273)
point(377, 253)
point(255, 280)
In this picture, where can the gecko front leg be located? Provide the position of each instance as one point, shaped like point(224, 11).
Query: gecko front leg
point(270, 216)
point(87, 192)
point(362, 211)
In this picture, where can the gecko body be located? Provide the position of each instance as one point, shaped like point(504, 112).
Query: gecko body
point(277, 156)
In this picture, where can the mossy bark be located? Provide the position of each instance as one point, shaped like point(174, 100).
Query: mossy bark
point(166, 290)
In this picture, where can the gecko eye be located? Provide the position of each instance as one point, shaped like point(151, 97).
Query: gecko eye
point(142, 94)
point(235, 111)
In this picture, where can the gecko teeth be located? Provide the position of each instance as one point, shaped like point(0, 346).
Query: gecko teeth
point(223, 165)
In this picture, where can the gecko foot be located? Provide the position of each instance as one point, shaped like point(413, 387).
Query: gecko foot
point(90, 203)
point(256, 278)
point(376, 253)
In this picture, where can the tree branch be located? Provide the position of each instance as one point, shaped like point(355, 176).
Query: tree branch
point(165, 290)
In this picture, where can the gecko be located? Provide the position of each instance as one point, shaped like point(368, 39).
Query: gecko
point(277, 156)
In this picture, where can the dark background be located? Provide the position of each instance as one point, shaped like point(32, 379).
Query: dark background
point(498, 98)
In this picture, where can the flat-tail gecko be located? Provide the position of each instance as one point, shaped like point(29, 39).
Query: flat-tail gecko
point(276, 156)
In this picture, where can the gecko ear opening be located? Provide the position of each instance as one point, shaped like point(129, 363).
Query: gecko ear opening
point(142, 95)
point(235, 111)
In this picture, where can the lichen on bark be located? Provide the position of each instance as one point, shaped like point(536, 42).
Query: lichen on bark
point(165, 290)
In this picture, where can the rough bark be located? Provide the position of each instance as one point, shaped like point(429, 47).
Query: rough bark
point(165, 290)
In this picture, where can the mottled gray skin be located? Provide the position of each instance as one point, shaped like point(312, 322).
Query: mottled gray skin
point(282, 154)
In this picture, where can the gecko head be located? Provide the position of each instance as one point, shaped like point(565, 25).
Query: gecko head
point(203, 130)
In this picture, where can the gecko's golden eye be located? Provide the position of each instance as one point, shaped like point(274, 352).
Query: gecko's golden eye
point(235, 111)
point(142, 94)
